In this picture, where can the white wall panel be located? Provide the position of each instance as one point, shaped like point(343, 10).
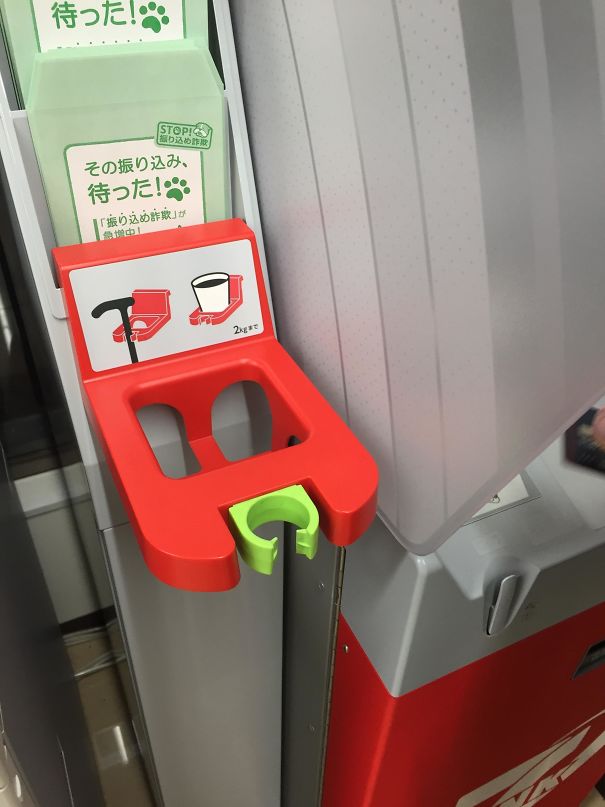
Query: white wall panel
point(332, 131)
point(394, 210)
point(434, 51)
point(289, 197)
point(436, 167)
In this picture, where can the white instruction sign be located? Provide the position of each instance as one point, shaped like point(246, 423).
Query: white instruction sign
point(133, 311)
point(129, 187)
point(80, 23)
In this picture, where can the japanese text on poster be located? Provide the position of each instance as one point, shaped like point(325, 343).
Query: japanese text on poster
point(134, 186)
point(73, 23)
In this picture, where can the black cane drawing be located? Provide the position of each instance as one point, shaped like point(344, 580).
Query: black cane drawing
point(122, 305)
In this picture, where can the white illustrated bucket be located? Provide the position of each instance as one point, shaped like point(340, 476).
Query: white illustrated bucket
point(212, 292)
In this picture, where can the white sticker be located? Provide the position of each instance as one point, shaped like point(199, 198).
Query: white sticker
point(75, 23)
point(134, 186)
point(133, 311)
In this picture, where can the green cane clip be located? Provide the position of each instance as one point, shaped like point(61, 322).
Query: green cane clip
point(292, 504)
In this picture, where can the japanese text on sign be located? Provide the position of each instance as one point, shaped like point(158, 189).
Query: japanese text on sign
point(126, 188)
point(72, 23)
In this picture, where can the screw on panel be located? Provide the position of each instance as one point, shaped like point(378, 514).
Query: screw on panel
point(321, 586)
point(345, 647)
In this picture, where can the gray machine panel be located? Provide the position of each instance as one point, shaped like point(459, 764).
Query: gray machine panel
point(419, 618)
point(311, 608)
point(432, 182)
point(208, 675)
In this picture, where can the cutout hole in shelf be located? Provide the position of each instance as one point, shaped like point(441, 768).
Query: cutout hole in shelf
point(242, 424)
point(165, 430)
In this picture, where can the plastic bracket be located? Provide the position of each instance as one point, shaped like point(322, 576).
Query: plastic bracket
point(292, 504)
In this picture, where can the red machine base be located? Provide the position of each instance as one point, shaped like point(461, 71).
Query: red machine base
point(515, 729)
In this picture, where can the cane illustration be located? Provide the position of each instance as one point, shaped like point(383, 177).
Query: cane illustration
point(122, 305)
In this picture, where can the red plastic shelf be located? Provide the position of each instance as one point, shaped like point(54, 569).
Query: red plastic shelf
point(181, 524)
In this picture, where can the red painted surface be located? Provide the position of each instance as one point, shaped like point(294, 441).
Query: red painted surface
point(181, 524)
point(152, 309)
point(441, 742)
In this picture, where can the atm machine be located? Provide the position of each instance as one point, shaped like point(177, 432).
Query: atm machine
point(444, 201)
point(430, 177)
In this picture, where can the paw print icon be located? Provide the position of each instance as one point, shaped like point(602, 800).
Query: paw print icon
point(177, 188)
point(154, 17)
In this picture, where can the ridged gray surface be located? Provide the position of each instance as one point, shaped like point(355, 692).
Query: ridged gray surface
point(432, 185)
